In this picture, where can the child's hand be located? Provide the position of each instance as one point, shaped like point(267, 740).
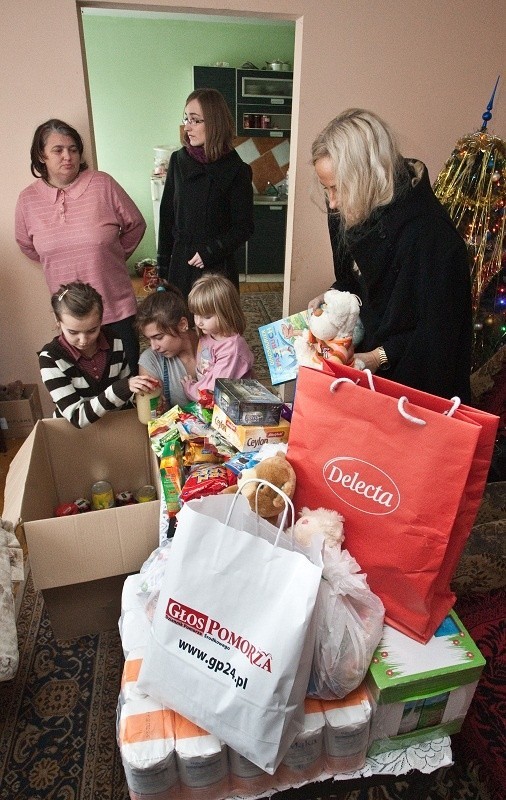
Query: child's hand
point(142, 383)
point(186, 383)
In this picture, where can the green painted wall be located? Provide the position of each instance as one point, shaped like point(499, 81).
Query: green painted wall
point(140, 74)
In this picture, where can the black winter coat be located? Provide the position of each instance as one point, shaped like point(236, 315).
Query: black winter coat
point(415, 286)
point(205, 209)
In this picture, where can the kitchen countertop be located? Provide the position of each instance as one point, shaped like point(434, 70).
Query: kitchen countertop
point(267, 200)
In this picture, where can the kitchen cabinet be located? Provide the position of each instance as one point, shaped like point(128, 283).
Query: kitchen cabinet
point(260, 100)
point(264, 253)
point(221, 78)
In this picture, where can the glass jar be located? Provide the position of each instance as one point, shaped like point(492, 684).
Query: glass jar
point(145, 494)
point(147, 404)
point(102, 495)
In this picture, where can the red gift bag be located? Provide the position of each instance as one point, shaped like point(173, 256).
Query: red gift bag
point(406, 469)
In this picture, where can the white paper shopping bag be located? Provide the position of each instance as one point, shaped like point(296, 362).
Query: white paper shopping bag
point(232, 638)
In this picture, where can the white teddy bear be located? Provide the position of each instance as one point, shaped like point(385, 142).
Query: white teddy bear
point(331, 332)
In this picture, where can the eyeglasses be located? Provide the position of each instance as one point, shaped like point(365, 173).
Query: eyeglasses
point(191, 121)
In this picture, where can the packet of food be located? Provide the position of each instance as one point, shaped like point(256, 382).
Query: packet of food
point(172, 475)
point(206, 479)
point(200, 452)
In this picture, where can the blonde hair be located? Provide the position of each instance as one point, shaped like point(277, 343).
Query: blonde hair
point(214, 295)
point(366, 161)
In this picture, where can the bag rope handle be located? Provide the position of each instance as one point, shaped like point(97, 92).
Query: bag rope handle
point(402, 411)
point(456, 401)
point(288, 505)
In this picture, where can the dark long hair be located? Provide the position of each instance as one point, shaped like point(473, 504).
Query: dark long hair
point(78, 299)
point(38, 165)
point(163, 308)
point(220, 129)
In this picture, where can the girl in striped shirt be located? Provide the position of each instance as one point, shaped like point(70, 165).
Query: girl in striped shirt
point(85, 368)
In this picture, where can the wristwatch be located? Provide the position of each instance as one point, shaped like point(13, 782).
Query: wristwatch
point(383, 359)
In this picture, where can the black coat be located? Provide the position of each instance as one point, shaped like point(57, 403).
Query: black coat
point(415, 285)
point(205, 209)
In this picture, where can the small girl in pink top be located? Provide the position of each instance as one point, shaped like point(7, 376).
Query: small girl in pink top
point(222, 351)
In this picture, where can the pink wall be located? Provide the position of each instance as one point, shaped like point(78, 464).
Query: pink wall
point(426, 66)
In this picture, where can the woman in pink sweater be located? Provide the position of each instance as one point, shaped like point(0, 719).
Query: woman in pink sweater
point(81, 226)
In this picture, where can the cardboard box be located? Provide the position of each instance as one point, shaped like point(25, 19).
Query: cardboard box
point(247, 402)
point(248, 438)
point(421, 691)
point(18, 417)
point(80, 562)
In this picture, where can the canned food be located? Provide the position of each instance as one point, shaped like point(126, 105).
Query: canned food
point(102, 495)
point(125, 499)
point(83, 504)
point(266, 121)
point(66, 510)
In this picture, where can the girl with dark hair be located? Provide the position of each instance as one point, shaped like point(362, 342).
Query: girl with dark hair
point(80, 225)
point(85, 368)
point(164, 320)
point(206, 212)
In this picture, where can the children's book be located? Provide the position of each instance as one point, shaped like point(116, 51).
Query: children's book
point(278, 342)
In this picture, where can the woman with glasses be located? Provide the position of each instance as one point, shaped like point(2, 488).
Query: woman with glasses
point(206, 212)
point(396, 247)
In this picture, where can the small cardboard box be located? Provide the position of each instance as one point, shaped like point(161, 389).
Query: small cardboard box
point(247, 402)
point(421, 691)
point(247, 438)
point(80, 562)
point(18, 417)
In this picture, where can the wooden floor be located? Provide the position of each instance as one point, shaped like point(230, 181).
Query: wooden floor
point(245, 286)
point(13, 445)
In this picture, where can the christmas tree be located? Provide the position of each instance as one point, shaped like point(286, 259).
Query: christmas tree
point(472, 187)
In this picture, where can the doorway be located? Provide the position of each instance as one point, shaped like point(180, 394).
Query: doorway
point(140, 71)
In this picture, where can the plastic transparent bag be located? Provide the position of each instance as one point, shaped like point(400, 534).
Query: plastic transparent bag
point(349, 626)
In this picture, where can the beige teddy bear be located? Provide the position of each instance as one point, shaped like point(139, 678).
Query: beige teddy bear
point(320, 520)
point(277, 470)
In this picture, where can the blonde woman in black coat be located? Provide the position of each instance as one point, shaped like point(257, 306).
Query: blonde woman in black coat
point(396, 247)
point(206, 212)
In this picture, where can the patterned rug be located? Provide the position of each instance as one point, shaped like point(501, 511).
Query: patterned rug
point(58, 734)
point(58, 715)
point(259, 309)
point(57, 724)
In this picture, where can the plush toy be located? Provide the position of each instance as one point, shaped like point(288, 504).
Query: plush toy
point(330, 334)
point(278, 471)
point(320, 520)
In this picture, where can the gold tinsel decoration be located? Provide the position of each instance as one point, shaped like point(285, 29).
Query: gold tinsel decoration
point(472, 187)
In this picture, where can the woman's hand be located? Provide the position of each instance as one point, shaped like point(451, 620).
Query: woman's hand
point(196, 261)
point(142, 383)
point(371, 360)
point(316, 302)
